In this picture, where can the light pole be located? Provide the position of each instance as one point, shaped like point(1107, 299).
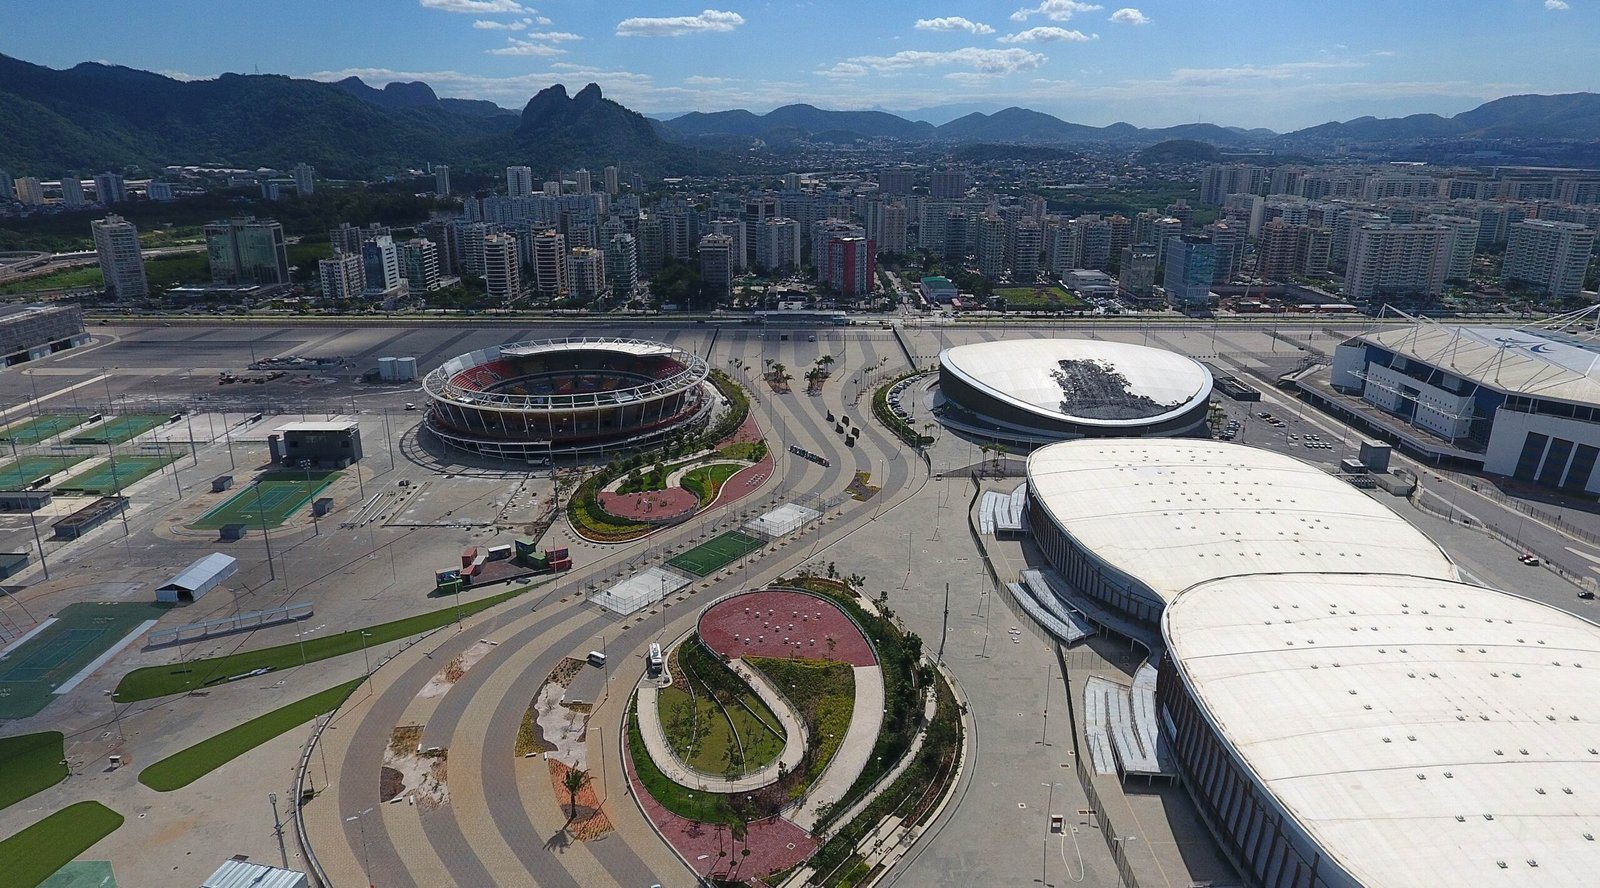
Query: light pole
point(366, 662)
point(366, 856)
point(1044, 858)
point(266, 535)
point(1044, 732)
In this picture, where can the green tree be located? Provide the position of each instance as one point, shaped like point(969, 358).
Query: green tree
point(573, 783)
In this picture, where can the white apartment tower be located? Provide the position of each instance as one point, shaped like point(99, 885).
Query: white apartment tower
point(519, 181)
point(1548, 256)
point(1397, 259)
point(342, 276)
point(502, 269)
point(550, 263)
point(116, 242)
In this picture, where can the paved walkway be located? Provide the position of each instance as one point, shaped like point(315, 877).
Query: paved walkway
point(655, 739)
point(866, 720)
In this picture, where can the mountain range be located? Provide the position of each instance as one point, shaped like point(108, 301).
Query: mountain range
point(95, 116)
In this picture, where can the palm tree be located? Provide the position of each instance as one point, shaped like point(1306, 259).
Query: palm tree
point(573, 783)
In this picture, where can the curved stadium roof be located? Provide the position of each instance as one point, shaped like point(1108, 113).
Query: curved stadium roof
point(1086, 381)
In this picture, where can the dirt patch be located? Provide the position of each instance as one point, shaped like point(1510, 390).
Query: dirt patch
point(860, 488)
point(530, 737)
point(390, 783)
point(587, 819)
point(566, 671)
point(454, 670)
point(406, 771)
point(655, 504)
point(779, 383)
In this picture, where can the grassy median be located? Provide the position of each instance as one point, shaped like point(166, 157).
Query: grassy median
point(31, 856)
point(175, 678)
point(30, 763)
point(186, 766)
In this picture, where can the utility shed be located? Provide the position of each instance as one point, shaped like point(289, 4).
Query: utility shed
point(197, 579)
point(336, 444)
point(243, 874)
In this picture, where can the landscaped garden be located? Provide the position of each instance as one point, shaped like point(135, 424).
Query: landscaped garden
point(713, 721)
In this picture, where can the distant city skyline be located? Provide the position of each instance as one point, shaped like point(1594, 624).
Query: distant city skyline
point(1162, 62)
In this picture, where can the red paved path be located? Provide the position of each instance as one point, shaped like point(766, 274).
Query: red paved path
point(775, 844)
point(783, 624)
point(651, 504)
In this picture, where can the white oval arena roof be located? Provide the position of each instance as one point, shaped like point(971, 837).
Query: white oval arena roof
point(1133, 385)
point(1173, 512)
point(1422, 732)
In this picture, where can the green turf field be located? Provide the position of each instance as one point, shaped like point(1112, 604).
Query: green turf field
point(716, 553)
point(81, 632)
point(30, 763)
point(31, 856)
point(119, 429)
point(22, 473)
point(35, 430)
point(83, 874)
point(280, 496)
point(114, 476)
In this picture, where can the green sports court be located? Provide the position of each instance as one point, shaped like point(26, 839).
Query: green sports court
point(21, 474)
point(271, 500)
point(716, 553)
point(119, 429)
point(114, 475)
point(38, 429)
point(81, 632)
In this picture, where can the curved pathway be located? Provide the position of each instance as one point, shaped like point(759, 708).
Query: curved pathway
point(680, 772)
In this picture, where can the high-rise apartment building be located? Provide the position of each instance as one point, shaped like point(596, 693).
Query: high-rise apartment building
point(778, 244)
point(1463, 243)
point(552, 188)
point(586, 269)
point(305, 179)
point(441, 180)
point(652, 246)
point(419, 263)
point(519, 181)
point(991, 248)
point(851, 265)
point(1278, 251)
point(346, 238)
point(1136, 278)
point(116, 242)
point(109, 188)
point(8, 187)
point(550, 263)
point(891, 233)
point(612, 180)
point(1191, 265)
point(1229, 241)
point(30, 191)
point(1400, 260)
point(948, 184)
point(246, 251)
point(894, 182)
point(502, 268)
point(622, 263)
point(380, 268)
point(716, 265)
point(1221, 180)
point(1027, 246)
point(584, 180)
point(1550, 257)
point(733, 228)
point(72, 192)
point(342, 276)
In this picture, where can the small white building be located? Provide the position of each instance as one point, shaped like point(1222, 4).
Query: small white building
point(197, 579)
point(243, 874)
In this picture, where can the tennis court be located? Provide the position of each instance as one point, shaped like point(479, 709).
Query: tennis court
point(270, 500)
point(119, 429)
point(716, 553)
point(81, 632)
point(21, 474)
point(35, 430)
point(113, 476)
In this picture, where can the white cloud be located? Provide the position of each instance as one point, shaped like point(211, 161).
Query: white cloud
point(1127, 15)
point(844, 70)
point(1556, 4)
point(953, 23)
point(1283, 71)
point(970, 78)
point(710, 20)
point(476, 7)
point(520, 47)
point(1054, 10)
point(552, 36)
point(1047, 35)
point(698, 80)
point(987, 61)
point(489, 25)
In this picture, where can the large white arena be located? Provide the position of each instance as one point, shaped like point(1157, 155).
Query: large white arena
point(1344, 709)
point(1035, 391)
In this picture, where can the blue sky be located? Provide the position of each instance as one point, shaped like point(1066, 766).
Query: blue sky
point(1283, 64)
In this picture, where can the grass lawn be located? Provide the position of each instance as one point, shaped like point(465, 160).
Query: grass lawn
point(751, 451)
point(700, 735)
point(716, 553)
point(823, 691)
point(706, 807)
point(30, 856)
point(30, 763)
point(173, 678)
point(706, 481)
point(654, 478)
point(186, 766)
point(1037, 298)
